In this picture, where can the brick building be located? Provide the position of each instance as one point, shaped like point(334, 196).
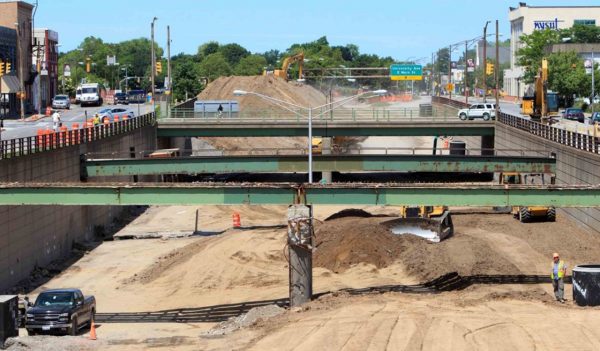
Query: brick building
point(17, 15)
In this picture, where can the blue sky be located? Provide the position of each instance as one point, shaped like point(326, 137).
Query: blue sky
point(400, 28)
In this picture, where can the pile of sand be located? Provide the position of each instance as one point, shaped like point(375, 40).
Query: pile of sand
point(345, 242)
point(293, 92)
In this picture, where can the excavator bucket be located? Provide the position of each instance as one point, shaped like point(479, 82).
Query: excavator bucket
point(434, 229)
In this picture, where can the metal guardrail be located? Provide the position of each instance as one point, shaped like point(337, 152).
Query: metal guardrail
point(341, 114)
point(11, 148)
point(582, 141)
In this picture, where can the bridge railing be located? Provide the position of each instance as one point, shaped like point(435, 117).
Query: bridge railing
point(11, 148)
point(340, 114)
point(582, 140)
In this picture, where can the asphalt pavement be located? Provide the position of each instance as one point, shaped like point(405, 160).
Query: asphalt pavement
point(18, 129)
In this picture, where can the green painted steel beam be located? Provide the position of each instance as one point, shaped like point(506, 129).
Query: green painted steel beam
point(321, 163)
point(284, 194)
point(199, 128)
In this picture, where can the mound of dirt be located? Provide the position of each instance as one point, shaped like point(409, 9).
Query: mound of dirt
point(300, 94)
point(345, 242)
point(349, 212)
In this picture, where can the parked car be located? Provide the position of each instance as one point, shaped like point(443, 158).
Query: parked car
point(573, 114)
point(121, 98)
point(61, 101)
point(595, 118)
point(486, 111)
point(63, 310)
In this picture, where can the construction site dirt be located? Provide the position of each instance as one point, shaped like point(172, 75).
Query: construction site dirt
point(130, 276)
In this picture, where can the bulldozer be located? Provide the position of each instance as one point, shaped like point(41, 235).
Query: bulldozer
point(539, 103)
point(287, 62)
point(433, 223)
point(529, 213)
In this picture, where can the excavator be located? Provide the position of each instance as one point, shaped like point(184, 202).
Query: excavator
point(540, 102)
point(287, 62)
point(528, 213)
point(433, 223)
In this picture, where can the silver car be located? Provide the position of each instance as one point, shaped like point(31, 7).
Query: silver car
point(61, 101)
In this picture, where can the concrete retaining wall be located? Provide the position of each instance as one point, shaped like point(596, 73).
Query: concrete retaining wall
point(572, 167)
point(37, 235)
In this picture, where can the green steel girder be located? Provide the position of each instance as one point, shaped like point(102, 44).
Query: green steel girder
point(193, 128)
point(335, 163)
point(284, 194)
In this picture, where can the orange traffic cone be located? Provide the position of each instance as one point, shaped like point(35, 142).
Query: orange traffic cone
point(92, 331)
point(236, 220)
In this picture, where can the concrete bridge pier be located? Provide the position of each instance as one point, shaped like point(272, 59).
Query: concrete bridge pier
point(326, 144)
point(487, 145)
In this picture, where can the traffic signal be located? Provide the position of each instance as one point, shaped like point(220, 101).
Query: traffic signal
point(489, 69)
point(158, 67)
point(88, 65)
point(8, 68)
point(2, 71)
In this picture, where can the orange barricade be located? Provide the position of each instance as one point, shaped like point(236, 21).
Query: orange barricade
point(105, 120)
point(125, 117)
point(89, 125)
point(75, 128)
point(62, 135)
point(116, 118)
point(40, 138)
point(236, 220)
point(48, 133)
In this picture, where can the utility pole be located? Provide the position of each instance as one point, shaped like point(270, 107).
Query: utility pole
point(431, 77)
point(153, 58)
point(20, 59)
point(450, 72)
point(485, 60)
point(593, 83)
point(169, 72)
point(497, 68)
point(466, 85)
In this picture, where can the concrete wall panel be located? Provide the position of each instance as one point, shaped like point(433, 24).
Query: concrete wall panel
point(37, 235)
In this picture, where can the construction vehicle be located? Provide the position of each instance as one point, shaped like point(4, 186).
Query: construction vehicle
point(528, 213)
point(433, 223)
point(540, 103)
point(317, 146)
point(287, 62)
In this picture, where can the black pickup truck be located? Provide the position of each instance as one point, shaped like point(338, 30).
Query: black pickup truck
point(60, 310)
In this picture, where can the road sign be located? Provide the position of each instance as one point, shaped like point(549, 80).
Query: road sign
point(406, 72)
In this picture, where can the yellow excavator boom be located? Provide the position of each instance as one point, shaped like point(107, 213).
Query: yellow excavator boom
point(287, 62)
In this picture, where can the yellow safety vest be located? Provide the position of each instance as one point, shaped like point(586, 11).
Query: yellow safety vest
point(561, 270)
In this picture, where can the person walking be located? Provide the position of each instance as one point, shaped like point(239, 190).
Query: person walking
point(559, 270)
point(55, 121)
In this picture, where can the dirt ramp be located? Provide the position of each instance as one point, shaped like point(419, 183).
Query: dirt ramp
point(345, 242)
point(293, 92)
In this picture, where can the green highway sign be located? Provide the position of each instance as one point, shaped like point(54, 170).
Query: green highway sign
point(406, 72)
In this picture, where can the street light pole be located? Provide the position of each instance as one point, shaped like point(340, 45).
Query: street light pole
point(20, 59)
point(153, 58)
point(496, 69)
point(450, 72)
point(485, 60)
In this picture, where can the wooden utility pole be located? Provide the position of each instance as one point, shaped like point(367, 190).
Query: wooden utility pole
point(449, 86)
point(485, 61)
point(466, 85)
point(496, 69)
point(168, 87)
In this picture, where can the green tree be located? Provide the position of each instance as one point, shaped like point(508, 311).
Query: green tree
point(581, 34)
point(271, 56)
point(186, 77)
point(214, 66)
point(233, 53)
point(212, 47)
point(534, 50)
point(251, 65)
point(566, 75)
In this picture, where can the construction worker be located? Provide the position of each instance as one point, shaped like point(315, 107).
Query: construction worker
point(96, 119)
point(55, 121)
point(559, 270)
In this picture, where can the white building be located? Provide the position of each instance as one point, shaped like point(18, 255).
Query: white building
point(527, 19)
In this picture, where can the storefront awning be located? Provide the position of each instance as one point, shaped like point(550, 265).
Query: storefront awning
point(10, 84)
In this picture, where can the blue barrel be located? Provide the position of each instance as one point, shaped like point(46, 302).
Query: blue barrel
point(586, 285)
